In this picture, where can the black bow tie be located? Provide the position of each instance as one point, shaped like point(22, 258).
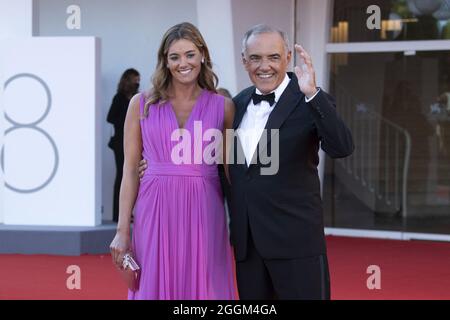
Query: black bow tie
point(257, 98)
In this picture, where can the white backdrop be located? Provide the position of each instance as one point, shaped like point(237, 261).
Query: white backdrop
point(51, 158)
point(15, 21)
point(2, 129)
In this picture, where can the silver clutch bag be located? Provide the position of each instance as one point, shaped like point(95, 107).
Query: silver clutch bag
point(130, 272)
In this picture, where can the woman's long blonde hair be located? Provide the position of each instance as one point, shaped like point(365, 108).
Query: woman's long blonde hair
point(162, 77)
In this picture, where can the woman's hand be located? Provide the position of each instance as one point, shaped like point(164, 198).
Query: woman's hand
point(119, 247)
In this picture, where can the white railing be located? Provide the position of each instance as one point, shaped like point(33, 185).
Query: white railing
point(378, 168)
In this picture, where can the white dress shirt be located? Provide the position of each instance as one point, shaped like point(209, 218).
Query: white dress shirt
point(255, 119)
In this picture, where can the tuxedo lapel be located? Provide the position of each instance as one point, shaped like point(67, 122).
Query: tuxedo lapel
point(287, 103)
point(241, 107)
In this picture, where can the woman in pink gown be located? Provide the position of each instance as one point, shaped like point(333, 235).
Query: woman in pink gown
point(180, 239)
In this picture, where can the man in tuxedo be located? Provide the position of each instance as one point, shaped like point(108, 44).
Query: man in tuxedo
point(276, 220)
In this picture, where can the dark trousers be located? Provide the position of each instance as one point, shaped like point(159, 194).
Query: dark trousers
point(119, 157)
point(299, 279)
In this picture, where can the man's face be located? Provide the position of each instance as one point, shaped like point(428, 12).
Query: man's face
point(266, 60)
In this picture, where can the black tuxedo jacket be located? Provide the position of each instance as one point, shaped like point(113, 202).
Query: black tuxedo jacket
point(284, 210)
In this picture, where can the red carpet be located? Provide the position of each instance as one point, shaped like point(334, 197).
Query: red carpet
point(409, 270)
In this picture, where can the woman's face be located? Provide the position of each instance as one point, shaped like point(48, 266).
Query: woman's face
point(184, 61)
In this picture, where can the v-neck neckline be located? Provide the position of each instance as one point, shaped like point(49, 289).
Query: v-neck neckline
point(174, 115)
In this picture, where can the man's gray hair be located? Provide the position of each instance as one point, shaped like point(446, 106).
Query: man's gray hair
point(263, 28)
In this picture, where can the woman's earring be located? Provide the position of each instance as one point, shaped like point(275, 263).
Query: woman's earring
point(203, 60)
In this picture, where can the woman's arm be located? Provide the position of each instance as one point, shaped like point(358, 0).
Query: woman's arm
point(130, 180)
